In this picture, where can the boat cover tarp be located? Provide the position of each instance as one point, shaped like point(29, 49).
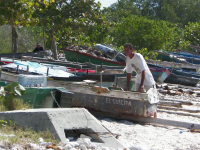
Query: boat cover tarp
point(37, 68)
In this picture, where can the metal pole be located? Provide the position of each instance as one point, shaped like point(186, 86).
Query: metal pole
point(47, 71)
point(0, 73)
point(17, 69)
point(101, 78)
point(27, 69)
point(75, 71)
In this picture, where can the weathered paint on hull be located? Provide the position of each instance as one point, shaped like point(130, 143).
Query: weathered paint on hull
point(100, 99)
point(77, 56)
point(114, 105)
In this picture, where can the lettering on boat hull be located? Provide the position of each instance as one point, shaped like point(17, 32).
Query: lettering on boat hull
point(115, 101)
point(119, 106)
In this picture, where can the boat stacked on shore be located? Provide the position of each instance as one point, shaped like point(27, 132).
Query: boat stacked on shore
point(96, 82)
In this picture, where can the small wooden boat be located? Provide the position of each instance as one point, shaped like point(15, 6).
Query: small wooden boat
point(19, 55)
point(164, 56)
point(178, 79)
point(185, 73)
point(100, 99)
point(45, 61)
point(190, 58)
point(188, 66)
point(83, 56)
point(118, 102)
point(159, 74)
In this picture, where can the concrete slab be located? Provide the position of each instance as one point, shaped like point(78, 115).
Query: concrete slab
point(61, 121)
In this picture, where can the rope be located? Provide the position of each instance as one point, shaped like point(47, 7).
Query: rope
point(54, 99)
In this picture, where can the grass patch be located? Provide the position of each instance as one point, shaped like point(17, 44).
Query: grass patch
point(13, 134)
point(13, 104)
point(16, 135)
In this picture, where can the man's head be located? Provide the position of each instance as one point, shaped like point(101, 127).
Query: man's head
point(128, 45)
point(38, 44)
point(128, 49)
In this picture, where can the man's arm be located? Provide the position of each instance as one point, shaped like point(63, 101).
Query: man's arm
point(34, 51)
point(128, 75)
point(141, 87)
point(42, 48)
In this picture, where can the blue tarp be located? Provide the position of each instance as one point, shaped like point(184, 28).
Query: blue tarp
point(37, 68)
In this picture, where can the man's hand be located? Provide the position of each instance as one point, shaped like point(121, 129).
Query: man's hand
point(141, 88)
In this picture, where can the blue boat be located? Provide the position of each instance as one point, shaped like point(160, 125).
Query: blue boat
point(159, 74)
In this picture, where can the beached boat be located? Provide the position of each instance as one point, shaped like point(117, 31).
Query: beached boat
point(185, 73)
point(19, 55)
point(188, 66)
point(190, 58)
point(178, 79)
point(159, 74)
point(44, 61)
point(83, 56)
point(164, 56)
point(101, 99)
point(26, 67)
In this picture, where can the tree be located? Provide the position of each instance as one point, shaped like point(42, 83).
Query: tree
point(15, 13)
point(121, 9)
point(192, 33)
point(61, 19)
point(144, 33)
point(175, 11)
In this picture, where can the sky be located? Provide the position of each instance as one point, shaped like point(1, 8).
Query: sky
point(106, 3)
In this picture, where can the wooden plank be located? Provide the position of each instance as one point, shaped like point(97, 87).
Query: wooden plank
point(178, 109)
point(179, 113)
point(183, 102)
point(149, 120)
point(170, 103)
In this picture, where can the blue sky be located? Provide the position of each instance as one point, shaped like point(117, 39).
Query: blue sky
point(106, 3)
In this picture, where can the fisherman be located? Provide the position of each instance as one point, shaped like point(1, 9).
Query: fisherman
point(38, 48)
point(136, 62)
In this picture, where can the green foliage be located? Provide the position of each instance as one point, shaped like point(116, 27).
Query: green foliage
point(143, 33)
point(78, 22)
point(8, 100)
point(175, 11)
point(12, 90)
point(192, 33)
point(76, 19)
point(121, 9)
point(3, 123)
point(148, 54)
point(15, 12)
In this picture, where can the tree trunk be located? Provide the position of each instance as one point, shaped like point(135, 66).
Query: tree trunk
point(55, 54)
point(44, 38)
point(14, 40)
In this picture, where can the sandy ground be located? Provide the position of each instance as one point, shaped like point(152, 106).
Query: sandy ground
point(148, 137)
point(158, 137)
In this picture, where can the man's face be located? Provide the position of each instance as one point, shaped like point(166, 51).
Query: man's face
point(127, 51)
point(38, 46)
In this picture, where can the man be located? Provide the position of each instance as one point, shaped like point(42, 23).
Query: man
point(136, 62)
point(38, 48)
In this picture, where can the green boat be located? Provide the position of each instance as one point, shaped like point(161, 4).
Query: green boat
point(82, 56)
